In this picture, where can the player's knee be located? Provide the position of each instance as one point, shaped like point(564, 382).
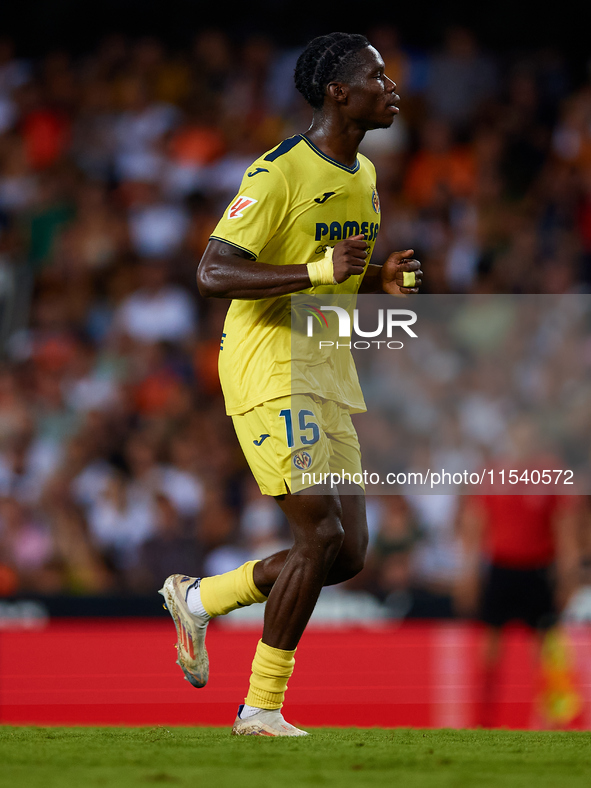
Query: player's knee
point(317, 527)
point(329, 535)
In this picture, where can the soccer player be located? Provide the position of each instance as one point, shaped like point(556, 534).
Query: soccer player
point(305, 220)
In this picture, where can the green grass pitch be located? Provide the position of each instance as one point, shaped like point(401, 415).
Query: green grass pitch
point(193, 757)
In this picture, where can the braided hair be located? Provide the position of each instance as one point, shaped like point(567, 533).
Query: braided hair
point(325, 59)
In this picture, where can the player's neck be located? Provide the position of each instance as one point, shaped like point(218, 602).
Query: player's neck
point(335, 138)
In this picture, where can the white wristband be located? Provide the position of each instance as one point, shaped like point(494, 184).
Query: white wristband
point(322, 271)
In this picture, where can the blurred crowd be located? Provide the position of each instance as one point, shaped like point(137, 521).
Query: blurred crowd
point(490, 381)
point(118, 465)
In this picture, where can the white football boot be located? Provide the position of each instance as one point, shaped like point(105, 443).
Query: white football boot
point(264, 723)
point(191, 652)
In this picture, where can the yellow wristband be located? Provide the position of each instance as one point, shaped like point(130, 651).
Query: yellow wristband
point(409, 279)
point(322, 272)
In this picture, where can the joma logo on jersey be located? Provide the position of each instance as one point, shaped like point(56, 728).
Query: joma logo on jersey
point(326, 196)
point(335, 231)
point(239, 205)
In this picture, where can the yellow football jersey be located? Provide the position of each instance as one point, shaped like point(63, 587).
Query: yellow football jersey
point(293, 203)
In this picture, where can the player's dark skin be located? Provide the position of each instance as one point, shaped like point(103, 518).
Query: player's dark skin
point(329, 530)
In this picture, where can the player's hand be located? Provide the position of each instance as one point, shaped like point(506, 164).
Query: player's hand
point(349, 257)
point(393, 273)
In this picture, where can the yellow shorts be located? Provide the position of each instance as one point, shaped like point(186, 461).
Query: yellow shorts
point(291, 443)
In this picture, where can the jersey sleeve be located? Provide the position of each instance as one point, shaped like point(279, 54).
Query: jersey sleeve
point(254, 215)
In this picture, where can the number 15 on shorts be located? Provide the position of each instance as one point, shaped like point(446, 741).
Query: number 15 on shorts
point(309, 432)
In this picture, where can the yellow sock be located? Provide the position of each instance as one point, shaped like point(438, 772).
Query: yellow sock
point(271, 670)
point(222, 593)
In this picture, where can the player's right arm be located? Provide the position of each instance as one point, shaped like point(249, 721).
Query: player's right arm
point(225, 271)
point(234, 264)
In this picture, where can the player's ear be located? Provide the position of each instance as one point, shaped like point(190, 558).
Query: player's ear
point(338, 92)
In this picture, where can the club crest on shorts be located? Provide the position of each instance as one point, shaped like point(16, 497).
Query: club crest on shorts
point(302, 460)
point(375, 200)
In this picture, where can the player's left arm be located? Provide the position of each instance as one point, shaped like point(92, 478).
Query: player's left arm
point(395, 276)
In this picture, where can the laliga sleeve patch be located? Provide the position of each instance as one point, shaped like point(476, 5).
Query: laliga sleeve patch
point(239, 205)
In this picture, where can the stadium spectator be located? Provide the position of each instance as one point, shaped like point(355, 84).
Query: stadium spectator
point(388, 572)
point(158, 310)
point(27, 547)
point(120, 521)
point(440, 170)
point(172, 545)
point(461, 78)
